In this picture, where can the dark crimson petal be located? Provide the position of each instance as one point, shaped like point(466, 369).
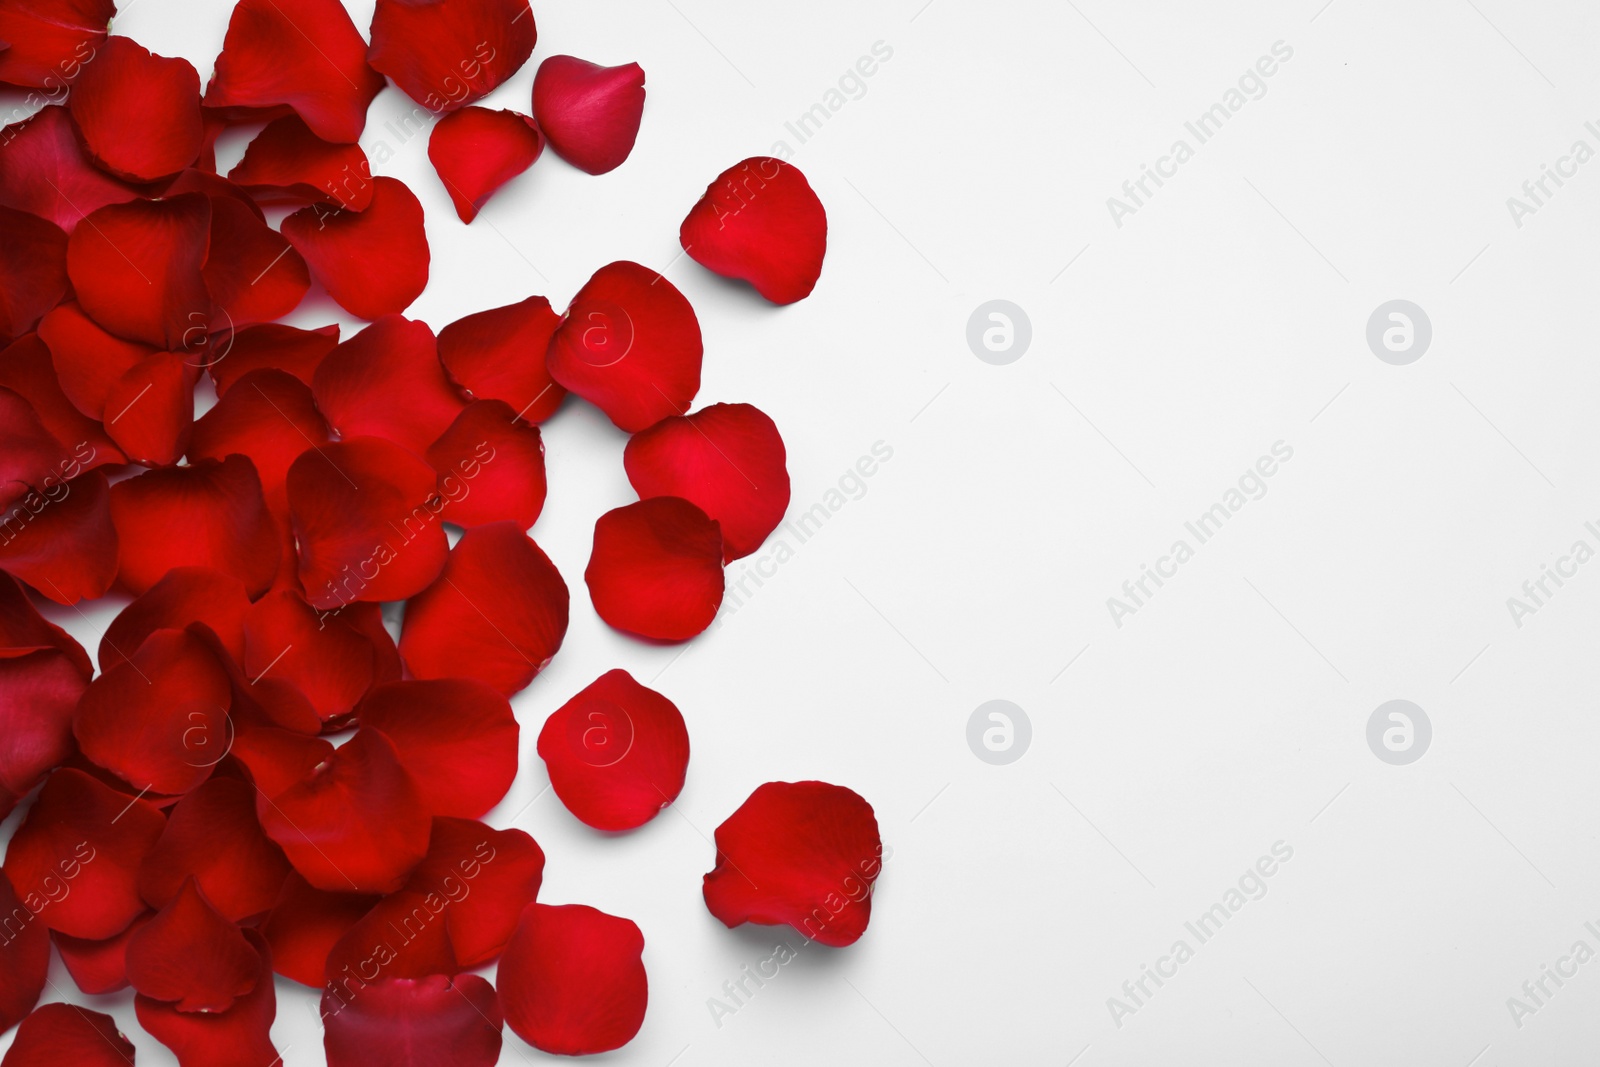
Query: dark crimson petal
point(136, 268)
point(438, 1021)
point(303, 54)
point(44, 172)
point(617, 752)
point(457, 737)
point(590, 113)
point(759, 221)
point(150, 409)
point(26, 369)
point(278, 759)
point(491, 467)
point(365, 514)
point(251, 273)
point(499, 355)
point(63, 545)
point(213, 837)
point(271, 418)
point(373, 262)
point(358, 824)
point(52, 41)
point(191, 956)
point(475, 151)
point(43, 672)
point(182, 596)
point(24, 953)
point(24, 631)
point(447, 53)
point(572, 980)
point(287, 163)
point(497, 613)
point(29, 453)
point(487, 875)
point(238, 1037)
point(99, 967)
point(630, 345)
point(273, 346)
point(138, 113)
point(33, 270)
point(75, 859)
point(89, 362)
point(801, 853)
point(727, 460)
point(330, 657)
point(58, 1034)
point(656, 569)
point(386, 381)
point(208, 514)
point(403, 936)
point(306, 923)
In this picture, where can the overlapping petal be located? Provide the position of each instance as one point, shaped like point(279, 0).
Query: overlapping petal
point(487, 875)
point(272, 346)
point(287, 163)
point(182, 596)
point(44, 171)
point(27, 370)
point(57, 1034)
point(136, 268)
point(456, 736)
point(138, 113)
point(656, 569)
point(191, 956)
point(89, 362)
point(499, 354)
point(99, 967)
point(334, 659)
point(572, 980)
point(33, 269)
point(440, 1021)
point(238, 1037)
point(51, 41)
point(590, 113)
point(212, 837)
point(305, 924)
point(760, 221)
point(24, 956)
point(386, 381)
point(43, 672)
point(64, 544)
point(445, 54)
point(252, 274)
point(491, 467)
point(373, 262)
point(271, 418)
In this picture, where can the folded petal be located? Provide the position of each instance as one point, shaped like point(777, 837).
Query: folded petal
point(149, 411)
point(630, 345)
point(288, 164)
point(491, 467)
point(193, 957)
point(475, 151)
point(44, 172)
point(305, 924)
point(386, 381)
point(759, 221)
point(238, 1037)
point(138, 113)
point(447, 53)
point(499, 355)
point(136, 268)
point(66, 1033)
point(572, 980)
point(251, 272)
point(99, 967)
point(439, 1021)
point(26, 369)
point(373, 262)
point(590, 113)
point(497, 613)
point(33, 270)
point(89, 362)
point(801, 853)
point(656, 569)
point(212, 837)
point(24, 955)
point(457, 737)
point(272, 346)
point(331, 658)
point(64, 545)
point(52, 41)
point(487, 875)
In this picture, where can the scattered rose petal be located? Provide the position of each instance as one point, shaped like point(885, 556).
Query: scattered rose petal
point(501, 871)
point(59, 1034)
point(403, 936)
point(499, 355)
point(26, 369)
point(138, 113)
point(150, 409)
point(491, 467)
point(89, 362)
point(24, 953)
point(252, 274)
point(213, 838)
point(656, 569)
point(373, 262)
point(43, 672)
point(759, 221)
point(136, 268)
point(333, 659)
point(475, 151)
point(590, 113)
point(47, 173)
point(183, 595)
point(29, 453)
point(98, 967)
point(572, 980)
point(306, 923)
point(450, 1022)
point(288, 164)
point(51, 41)
point(445, 54)
point(238, 1037)
point(65, 545)
point(33, 270)
point(386, 381)
point(270, 418)
point(272, 346)
point(191, 956)
point(457, 737)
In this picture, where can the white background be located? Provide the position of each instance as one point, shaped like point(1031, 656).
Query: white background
point(1230, 712)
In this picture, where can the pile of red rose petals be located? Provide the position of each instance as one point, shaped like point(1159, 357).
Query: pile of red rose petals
point(253, 777)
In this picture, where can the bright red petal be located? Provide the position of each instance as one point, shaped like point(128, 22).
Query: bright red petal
point(630, 345)
point(238, 1037)
point(801, 853)
point(150, 409)
point(386, 381)
point(52, 41)
point(590, 113)
point(289, 164)
point(499, 355)
point(89, 362)
point(270, 418)
point(333, 659)
point(656, 569)
point(373, 262)
point(213, 837)
point(404, 936)
point(491, 467)
point(65, 547)
point(182, 596)
point(487, 875)
point(58, 1034)
point(24, 953)
point(457, 737)
point(572, 980)
point(47, 174)
point(497, 613)
point(99, 967)
point(43, 672)
point(251, 273)
point(475, 151)
point(33, 270)
point(138, 113)
point(272, 346)
point(437, 1021)
point(191, 956)
point(136, 268)
point(306, 923)
point(447, 53)
point(760, 222)
point(26, 369)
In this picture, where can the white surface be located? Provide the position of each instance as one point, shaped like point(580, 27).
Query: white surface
point(1229, 713)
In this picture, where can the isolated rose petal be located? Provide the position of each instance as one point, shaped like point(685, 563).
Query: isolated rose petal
point(373, 262)
point(365, 522)
point(572, 980)
point(303, 54)
point(386, 381)
point(136, 268)
point(270, 418)
point(438, 1021)
point(617, 752)
point(491, 467)
point(46, 173)
point(727, 460)
point(26, 369)
point(288, 164)
point(488, 876)
point(357, 824)
point(801, 853)
point(182, 596)
point(499, 355)
point(456, 736)
point(86, 837)
point(590, 113)
point(630, 345)
point(306, 923)
point(759, 221)
point(272, 346)
point(208, 514)
point(656, 569)
point(59, 1034)
point(213, 837)
point(238, 1037)
point(497, 613)
point(24, 954)
point(445, 54)
point(475, 151)
point(43, 672)
point(99, 967)
point(51, 41)
point(252, 274)
point(138, 113)
point(89, 362)
point(29, 453)
point(193, 957)
point(149, 411)
point(33, 270)
point(64, 545)
point(332, 658)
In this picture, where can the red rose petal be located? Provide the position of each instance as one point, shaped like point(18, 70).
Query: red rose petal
point(182, 596)
point(208, 514)
point(26, 369)
point(43, 672)
point(365, 521)
point(333, 659)
point(191, 956)
point(47, 174)
point(251, 273)
point(306, 923)
point(403, 936)
point(497, 613)
point(66, 1033)
point(488, 876)
point(439, 1021)
point(24, 956)
point(801, 853)
point(617, 752)
point(358, 824)
point(238, 1037)
point(373, 262)
point(29, 453)
point(572, 980)
point(278, 759)
point(150, 409)
point(99, 967)
point(630, 345)
point(138, 113)
point(727, 460)
point(212, 836)
point(491, 467)
point(33, 270)
point(590, 113)
point(656, 569)
point(760, 222)
point(386, 381)
point(288, 164)
point(136, 268)
point(270, 418)
point(258, 703)
point(51, 41)
point(75, 859)
point(457, 737)
point(499, 355)
point(89, 362)
point(272, 346)
point(64, 545)
point(475, 151)
point(445, 54)
point(303, 54)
